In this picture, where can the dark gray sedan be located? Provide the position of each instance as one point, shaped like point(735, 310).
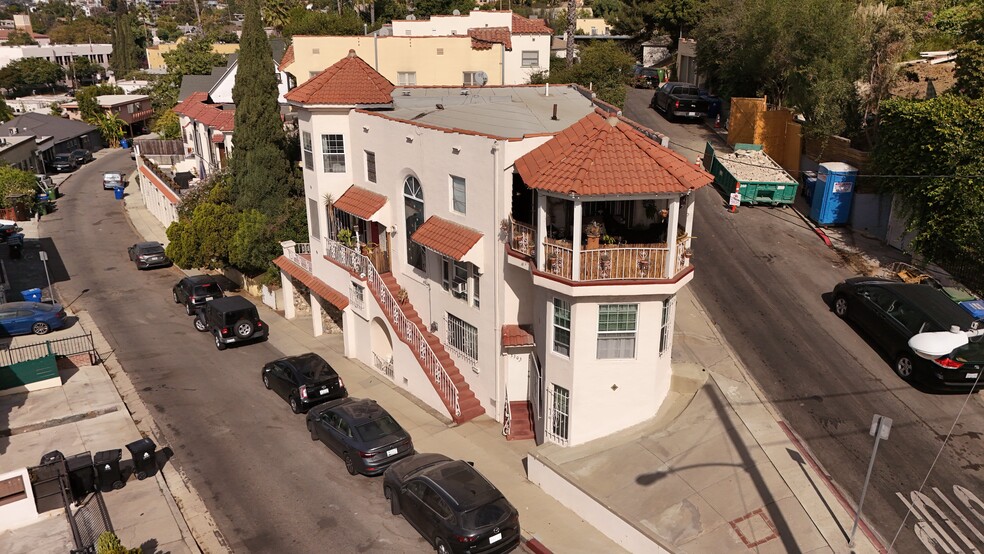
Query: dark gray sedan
point(362, 433)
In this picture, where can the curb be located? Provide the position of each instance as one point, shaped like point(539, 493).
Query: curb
point(535, 546)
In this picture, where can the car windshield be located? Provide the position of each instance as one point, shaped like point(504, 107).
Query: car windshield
point(973, 352)
point(112, 177)
point(62, 158)
point(486, 515)
point(152, 250)
point(377, 428)
point(687, 90)
point(232, 317)
point(206, 289)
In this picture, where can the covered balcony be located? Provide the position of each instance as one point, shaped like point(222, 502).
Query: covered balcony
point(358, 225)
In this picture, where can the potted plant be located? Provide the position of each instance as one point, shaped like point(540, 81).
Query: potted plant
point(402, 295)
point(593, 232)
point(605, 264)
point(346, 237)
point(552, 259)
point(369, 248)
point(608, 240)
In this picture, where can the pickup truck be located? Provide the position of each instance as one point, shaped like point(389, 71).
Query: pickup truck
point(679, 100)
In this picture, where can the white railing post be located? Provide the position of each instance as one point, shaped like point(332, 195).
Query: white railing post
point(576, 255)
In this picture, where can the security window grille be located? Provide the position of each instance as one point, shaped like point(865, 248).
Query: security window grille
point(357, 295)
point(458, 194)
point(333, 149)
point(406, 78)
point(314, 217)
point(531, 58)
point(562, 327)
point(469, 78)
point(664, 328)
point(558, 426)
point(462, 338)
point(617, 331)
point(308, 150)
point(371, 166)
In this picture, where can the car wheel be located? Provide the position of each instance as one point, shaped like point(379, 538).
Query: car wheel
point(40, 328)
point(219, 344)
point(175, 296)
point(442, 546)
point(904, 367)
point(141, 475)
point(314, 434)
point(394, 501)
point(200, 325)
point(349, 464)
point(188, 309)
point(840, 307)
point(294, 405)
point(266, 381)
point(244, 329)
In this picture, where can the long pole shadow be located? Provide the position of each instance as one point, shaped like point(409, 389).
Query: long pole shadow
point(802, 463)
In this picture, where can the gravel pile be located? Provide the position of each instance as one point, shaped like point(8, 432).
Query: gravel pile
point(754, 166)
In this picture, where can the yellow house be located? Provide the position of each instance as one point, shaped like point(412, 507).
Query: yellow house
point(155, 54)
point(593, 26)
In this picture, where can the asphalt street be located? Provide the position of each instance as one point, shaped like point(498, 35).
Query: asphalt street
point(267, 485)
point(764, 277)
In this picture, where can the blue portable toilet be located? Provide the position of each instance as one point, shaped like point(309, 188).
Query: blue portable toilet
point(809, 184)
point(833, 193)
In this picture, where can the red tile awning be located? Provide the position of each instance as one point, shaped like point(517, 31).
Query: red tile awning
point(316, 285)
point(360, 202)
point(448, 238)
point(514, 336)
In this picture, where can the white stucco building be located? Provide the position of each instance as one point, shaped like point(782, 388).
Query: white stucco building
point(206, 130)
point(497, 250)
point(62, 54)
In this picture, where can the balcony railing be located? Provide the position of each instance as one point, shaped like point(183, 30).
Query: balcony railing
point(345, 256)
point(522, 237)
point(633, 261)
point(384, 366)
point(300, 255)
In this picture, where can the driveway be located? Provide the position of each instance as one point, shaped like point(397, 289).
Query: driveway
point(762, 274)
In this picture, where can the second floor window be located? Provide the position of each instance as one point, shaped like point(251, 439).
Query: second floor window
point(458, 194)
point(333, 149)
point(308, 150)
point(371, 166)
point(561, 327)
point(617, 331)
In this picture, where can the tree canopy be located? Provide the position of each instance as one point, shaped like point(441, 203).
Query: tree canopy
point(15, 181)
point(124, 57)
point(191, 57)
point(168, 125)
point(305, 22)
point(79, 31)
point(20, 38)
point(604, 67)
point(26, 75)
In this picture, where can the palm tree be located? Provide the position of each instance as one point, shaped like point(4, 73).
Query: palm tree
point(275, 12)
point(111, 128)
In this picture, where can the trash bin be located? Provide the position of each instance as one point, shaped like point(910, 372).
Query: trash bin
point(31, 295)
point(52, 457)
point(118, 192)
point(124, 143)
point(15, 245)
point(52, 193)
point(81, 475)
point(144, 453)
point(108, 474)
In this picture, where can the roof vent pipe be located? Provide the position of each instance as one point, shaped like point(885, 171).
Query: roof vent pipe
point(554, 113)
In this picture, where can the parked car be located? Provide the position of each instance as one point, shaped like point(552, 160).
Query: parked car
point(63, 163)
point(303, 381)
point(676, 99)
point(361, 432)
point(195, 291)
point(230, 319)
point(81, 156)
point(451, 505)
point(24, 318)
point(892, 312)
point(113, 179)
point(148, 255)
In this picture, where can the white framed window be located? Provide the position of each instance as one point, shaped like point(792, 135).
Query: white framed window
point(458, 194)
point(531, 58)
point(371, 166)
point(129, 108)
point(406, 78)
point(314, 218)
point(664, 327)
point(462, 337)
point(561, 327)
point(333, 150)
point(469, 78)
point(558, 427)
point(617, 331)
point(454, 277)
point(476, 278)
point(357, 295)
point(308, 150)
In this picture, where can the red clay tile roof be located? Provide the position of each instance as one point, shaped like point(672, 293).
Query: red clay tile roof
point(445, 237)
point(316, 285)
point(597, 156)
point(156, 181)
point(349, 81)
point(524, 26)
point(288, 58)
point(484, 37)
point(195, 108)
point(360, 202)
point(514, 335)
point(218, 138)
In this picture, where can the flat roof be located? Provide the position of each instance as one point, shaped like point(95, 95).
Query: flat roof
point(9, 142)
point(504, 111)
point(115, 99)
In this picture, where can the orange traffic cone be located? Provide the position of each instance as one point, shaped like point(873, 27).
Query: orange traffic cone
point(717, 122)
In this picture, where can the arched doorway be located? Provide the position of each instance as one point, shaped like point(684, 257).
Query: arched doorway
point(413, 207)
point(382, 347)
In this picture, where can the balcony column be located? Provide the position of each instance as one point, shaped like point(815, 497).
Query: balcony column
point(576, 246)
point(541, 229)
point(671, 236)
point(688, 221)
point(288, 288)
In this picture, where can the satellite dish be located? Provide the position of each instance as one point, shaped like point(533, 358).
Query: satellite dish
point(456, 12)
point(481, 78)
point(411, 17)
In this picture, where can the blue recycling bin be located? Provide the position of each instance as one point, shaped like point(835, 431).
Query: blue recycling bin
point(118, 192)
point(31, 295)
point(809, 185)
point(124, 143)
point(975, 307)
point(833, 194)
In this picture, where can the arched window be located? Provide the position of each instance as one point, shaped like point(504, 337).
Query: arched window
point(413, 206)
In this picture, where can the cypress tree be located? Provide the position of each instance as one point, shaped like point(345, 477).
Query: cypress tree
point(261, 169)
point(124, 57)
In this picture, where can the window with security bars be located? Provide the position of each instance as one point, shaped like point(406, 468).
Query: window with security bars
point(664, 328)
point(462, 337)
point(558, 425)
point(333, 150)
point(617, 331)
point(562, 327)
point(308, 150)
point(371, 166)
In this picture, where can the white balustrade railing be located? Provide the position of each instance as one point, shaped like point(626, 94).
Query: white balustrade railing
point(523, 238)
point(385, 366)
point(628, 262)
point(558, 259)
point(295, 256)
point(345, 256)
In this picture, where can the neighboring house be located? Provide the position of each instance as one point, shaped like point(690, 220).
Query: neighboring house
point(129, 85)
point(452, 241)
point(592, 26)
point(65, 134)
point(206, 130)
point(686, 62)
point(191, 84)
point(221, 91)
point(158, 163)
point(155, 54)
point(42, 40)
point(133, 109)
point(21, 152)
point(480, 47)
point(62, 54)
point(40, 103)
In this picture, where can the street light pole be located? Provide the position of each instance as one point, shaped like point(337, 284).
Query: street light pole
point(881, 426)
point(44, 260)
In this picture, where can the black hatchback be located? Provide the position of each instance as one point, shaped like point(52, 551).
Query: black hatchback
point(303, 381)
point(361, 432)
point(892, 312)
point(452, 505)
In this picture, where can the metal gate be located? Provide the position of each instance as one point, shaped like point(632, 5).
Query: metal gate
point(89, 520)
point(536, 397)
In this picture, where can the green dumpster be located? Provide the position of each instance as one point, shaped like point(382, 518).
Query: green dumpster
point(758, 178)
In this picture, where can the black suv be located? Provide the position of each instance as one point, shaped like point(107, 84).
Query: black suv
point(195, 291)
point(230, 319)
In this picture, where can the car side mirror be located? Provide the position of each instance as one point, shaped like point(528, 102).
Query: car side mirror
point(471, 463)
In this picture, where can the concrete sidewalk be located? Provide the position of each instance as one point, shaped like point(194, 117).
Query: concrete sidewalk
point(715, 471)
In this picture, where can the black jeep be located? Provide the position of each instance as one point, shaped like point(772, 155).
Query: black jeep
point(230, 319)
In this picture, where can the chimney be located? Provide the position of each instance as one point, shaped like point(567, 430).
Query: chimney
point(554, 117)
